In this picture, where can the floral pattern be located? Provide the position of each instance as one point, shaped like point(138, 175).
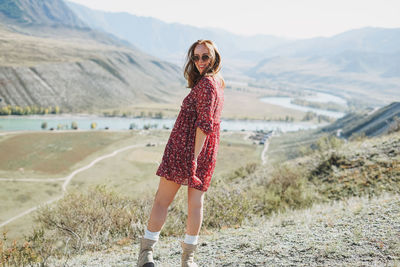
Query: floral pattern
point(201, 108)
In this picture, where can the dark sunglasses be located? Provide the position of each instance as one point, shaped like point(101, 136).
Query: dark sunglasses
point(203, 57)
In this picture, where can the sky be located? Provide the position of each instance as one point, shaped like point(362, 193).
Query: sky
point(293, 19)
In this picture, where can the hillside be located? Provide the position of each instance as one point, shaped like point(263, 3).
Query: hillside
point(53, 61)
point(49, 12)
point(335, 206)
point(358, 231)
point(375, 123)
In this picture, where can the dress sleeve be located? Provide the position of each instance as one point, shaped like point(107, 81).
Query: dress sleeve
point(205, 106)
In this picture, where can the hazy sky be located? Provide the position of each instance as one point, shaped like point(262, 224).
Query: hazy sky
point(285, 18)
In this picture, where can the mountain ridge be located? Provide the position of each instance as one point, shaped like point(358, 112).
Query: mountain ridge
point(77, 68)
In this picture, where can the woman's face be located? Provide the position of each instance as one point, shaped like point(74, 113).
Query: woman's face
point(200, 51)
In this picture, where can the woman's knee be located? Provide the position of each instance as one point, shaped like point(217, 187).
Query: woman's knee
point(161, 200)
point(195, 198)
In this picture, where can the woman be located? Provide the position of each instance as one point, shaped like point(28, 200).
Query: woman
point(190, 154)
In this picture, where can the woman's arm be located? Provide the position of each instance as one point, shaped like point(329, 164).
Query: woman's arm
point(199, 142)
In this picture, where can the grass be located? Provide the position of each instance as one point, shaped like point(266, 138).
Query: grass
point(101, 217)
point(130, 173)
point(253, 108)
point(52, 154)
point(16, 197)
point(291, 145)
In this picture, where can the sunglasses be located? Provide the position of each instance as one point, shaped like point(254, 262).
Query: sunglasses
point(203, 57)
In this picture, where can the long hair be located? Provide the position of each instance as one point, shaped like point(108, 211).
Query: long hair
point(191, 74)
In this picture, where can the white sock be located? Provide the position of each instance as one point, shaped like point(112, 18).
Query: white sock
point(191, 239)
point(151, 235)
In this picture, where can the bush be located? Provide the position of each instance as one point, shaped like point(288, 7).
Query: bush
point(74, 125)
point(395, 125)
point(132, 126)
point(286, 188)
point(94, 220)
point(44, 125)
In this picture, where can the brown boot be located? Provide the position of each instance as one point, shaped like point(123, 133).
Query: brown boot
point(146, 253)
point(188, 255)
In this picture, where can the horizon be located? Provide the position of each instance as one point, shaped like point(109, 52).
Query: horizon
point(305, 19)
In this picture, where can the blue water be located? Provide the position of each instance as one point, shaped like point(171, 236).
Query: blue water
point(286, 102)
point(33, 123)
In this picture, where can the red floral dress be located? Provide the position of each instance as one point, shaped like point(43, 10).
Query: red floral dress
point(201, 108)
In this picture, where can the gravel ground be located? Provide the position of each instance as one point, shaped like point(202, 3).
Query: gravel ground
point(355, 232)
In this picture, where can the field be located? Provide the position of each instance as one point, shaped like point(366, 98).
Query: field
point(55, 155)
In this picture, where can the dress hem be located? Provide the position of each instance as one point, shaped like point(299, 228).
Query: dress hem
point(187, 184)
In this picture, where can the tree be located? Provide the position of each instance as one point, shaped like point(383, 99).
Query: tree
point(132, 126)
point(27, 110)
point(44, 125)
point(159, 115)
point(74, 125)
point(93, 125)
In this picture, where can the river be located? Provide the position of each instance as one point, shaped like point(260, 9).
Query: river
point(34, 122)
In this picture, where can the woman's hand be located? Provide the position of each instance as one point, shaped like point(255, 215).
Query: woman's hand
point(194, 179)
point(199, 142)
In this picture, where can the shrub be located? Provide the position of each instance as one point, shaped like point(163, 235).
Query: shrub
point(93, 220)
point(395, 125)
point(44, 125)
point(74, 125)
point(287, 187)
point(357, 136)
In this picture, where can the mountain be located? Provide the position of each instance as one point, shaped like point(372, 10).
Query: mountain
point(170, 41)
point(361, 65)
point(377, 122)
point(367, 39)
point(50, 57)
point(48, 12)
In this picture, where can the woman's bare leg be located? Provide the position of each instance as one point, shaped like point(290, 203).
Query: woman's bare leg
point(165, 195)
point(195, 211)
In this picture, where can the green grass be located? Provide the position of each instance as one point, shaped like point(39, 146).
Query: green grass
point(291, 145)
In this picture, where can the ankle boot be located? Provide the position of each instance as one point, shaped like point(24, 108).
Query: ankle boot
point(145, 258)
point(188, 255)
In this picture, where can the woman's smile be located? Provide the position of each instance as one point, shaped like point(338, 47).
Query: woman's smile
point(202, 55)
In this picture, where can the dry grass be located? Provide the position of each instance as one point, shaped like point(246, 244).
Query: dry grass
point(130, 173)
point(247, 105)
point(52, 154)
point(101, 217)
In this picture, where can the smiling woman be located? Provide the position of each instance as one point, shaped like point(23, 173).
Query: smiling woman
point(190, 154)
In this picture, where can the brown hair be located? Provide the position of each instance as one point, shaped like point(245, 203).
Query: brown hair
point(192, 75)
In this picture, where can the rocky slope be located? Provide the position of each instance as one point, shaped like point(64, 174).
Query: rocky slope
point(374, 123)
point(49, 58)
point(358, 231)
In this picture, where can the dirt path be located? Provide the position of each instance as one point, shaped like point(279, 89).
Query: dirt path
point(32, 180)
point(67, 180)
point(264, 152)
